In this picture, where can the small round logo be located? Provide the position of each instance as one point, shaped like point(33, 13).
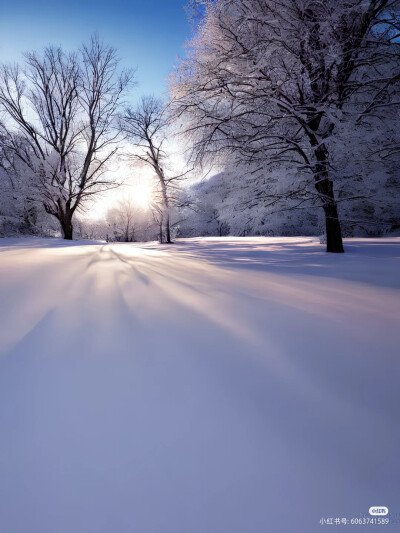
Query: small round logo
point(378, 510)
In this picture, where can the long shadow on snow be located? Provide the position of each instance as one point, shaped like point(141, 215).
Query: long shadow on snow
point(368, 262)
point(8, 244)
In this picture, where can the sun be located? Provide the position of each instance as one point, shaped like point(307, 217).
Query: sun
point(142, 192)
point(138, 191)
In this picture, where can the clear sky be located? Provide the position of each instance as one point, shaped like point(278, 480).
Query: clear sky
point(149, 34)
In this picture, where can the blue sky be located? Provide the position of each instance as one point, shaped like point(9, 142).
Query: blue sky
point(149, 34)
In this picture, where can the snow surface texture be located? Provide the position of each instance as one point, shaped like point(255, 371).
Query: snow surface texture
point(236, 385)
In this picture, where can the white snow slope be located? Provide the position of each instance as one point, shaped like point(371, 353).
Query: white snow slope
point(236, 385)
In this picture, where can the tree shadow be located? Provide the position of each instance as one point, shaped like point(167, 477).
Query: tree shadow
point(8, 244)
point(366, 260)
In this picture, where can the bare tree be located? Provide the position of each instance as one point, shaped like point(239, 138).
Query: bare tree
point(273, 82)
point(60, 122)
point(147, 128)
point(123, 219)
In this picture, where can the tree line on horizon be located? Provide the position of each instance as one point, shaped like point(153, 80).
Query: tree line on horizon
point(294, 104)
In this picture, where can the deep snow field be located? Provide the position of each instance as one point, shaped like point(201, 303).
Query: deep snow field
point(217, 385)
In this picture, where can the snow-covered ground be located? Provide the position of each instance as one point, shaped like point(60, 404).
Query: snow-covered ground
point(235, 385)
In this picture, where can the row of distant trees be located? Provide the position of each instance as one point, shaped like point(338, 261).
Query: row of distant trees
point(306, 88)
point(124, 221)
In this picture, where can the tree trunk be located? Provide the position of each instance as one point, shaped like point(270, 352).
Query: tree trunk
point(334, 241)
point(167, 230)
point(66, 225)
point(160, 233)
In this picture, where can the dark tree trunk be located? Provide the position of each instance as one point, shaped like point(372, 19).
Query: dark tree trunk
point(334, 240)
point(324, 186)
point(66, 226)
point(160, 234)
point(167, 230)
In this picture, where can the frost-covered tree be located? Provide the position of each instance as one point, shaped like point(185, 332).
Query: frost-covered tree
point(20, 213)
point(123, 222)
point(147, 128)
point(278, 82)
point(123, 218)
point(60, 123)
point(237, 202)
point(126, 221)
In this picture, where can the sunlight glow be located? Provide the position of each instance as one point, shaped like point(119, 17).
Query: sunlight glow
point(142, 193)
point(138, 190)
